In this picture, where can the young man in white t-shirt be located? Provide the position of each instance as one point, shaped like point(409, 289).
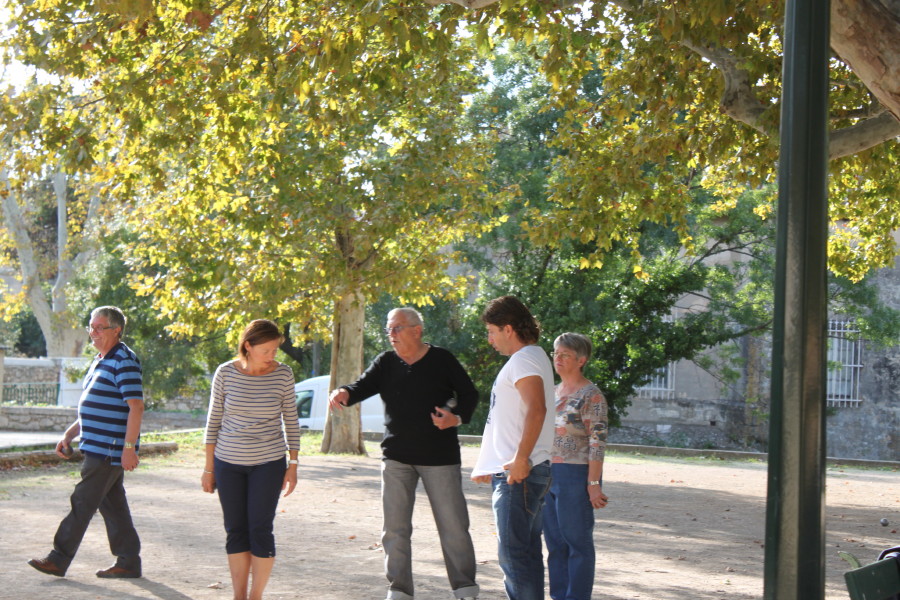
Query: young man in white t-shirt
point(515, 447)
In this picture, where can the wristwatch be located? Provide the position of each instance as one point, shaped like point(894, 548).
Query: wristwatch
point(460, 420)
point(593, 483)
point(128, 445)
point(293, 462)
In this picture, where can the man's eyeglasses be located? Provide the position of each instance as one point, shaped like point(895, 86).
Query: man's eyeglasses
point(92, 329)
point(396, 330)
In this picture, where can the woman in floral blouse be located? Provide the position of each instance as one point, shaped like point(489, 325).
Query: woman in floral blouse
point(577, 472)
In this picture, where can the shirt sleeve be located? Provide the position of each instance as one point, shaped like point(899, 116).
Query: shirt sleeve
point(466, 392)
point(525, 365)
point(129, 379)
point(368, 384)
point(289, 412)
point(596, 424)
point(216, 407)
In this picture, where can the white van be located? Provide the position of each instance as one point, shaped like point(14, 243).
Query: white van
point(312, 406)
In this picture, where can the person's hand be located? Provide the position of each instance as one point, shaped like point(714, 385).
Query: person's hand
point(338, 398)
point(290, 480)
point(129, 459)
point(444, 419)
point(64, 448)
point(597, 497)
point(481, 478)
point(208, 482)
point(518, 470)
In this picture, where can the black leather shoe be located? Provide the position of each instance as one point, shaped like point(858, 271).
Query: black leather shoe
point(45, 565)
point(117, 572)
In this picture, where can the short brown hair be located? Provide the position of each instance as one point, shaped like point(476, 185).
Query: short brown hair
point(259, 331)
point(509, 310)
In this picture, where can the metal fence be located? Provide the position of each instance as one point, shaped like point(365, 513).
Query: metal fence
point(30, 393)
point(844, 364)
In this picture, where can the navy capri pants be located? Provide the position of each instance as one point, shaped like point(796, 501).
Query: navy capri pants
point(249, 497)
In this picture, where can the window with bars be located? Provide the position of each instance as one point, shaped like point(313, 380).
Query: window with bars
point(844, 364)
point(661, 384)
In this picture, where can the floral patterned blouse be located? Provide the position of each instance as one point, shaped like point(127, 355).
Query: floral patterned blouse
point(581, 426)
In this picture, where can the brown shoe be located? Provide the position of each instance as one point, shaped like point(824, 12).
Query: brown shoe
point(117, 572)
point(45, 565)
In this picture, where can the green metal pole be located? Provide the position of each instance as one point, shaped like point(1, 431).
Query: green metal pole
point(795, 508)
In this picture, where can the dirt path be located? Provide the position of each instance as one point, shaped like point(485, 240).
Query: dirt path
point(675, 529)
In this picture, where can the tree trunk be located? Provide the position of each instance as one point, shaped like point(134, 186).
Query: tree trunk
point(755, 404)
point(343, 430)
point(866, 34)
point(62, 332)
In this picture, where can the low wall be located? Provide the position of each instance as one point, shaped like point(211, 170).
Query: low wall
point(58, 418)
point(30, 370)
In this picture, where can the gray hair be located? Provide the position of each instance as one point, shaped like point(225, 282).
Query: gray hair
point(410, 315)
point(114, 315)
point(578, 343)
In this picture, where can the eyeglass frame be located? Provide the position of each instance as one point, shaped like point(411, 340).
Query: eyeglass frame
point(563, 355)
point(91, 329)
point(396, 329)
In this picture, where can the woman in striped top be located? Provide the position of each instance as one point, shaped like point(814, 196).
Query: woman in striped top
point(251, 411)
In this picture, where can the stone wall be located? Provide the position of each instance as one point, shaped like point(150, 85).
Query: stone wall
point(682, 422)
point(867, 431)
point(58, 418)
point(30, 370)
point(199, 402)
point(870, 429)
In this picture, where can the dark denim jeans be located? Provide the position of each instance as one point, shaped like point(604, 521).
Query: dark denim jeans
point(569, 533)
point(517, 512)
point(249, 497)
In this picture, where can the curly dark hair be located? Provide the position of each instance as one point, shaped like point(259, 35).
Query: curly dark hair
point(509, 310)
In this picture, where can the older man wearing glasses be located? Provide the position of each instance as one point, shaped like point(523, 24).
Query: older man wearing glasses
point(109, 421)
point(427, 394)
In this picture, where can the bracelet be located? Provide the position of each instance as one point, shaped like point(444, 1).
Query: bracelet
point(207, 472)
point(593, 483)
point(460, 421)
point(129, 445)
point(293, 462)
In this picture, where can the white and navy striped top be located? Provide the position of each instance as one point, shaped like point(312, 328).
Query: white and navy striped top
point(250, 415)
point(103, 409)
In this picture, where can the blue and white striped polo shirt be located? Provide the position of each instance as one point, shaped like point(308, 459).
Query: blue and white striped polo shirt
point(103, 410)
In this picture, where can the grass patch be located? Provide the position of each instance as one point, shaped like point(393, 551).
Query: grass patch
point(192, 449)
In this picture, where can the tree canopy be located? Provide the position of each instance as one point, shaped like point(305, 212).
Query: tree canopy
point(295, 160)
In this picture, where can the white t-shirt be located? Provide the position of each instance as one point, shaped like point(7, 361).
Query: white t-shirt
point(506, 419)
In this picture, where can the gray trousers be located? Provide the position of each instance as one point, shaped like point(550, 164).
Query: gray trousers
point(101, 487)
point(443, 485)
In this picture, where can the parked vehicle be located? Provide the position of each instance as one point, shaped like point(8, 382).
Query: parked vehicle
point(312, 406)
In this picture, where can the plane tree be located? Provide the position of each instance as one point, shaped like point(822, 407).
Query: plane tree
point(284, 161)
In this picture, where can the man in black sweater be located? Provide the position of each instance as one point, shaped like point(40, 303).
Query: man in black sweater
point(427, 394)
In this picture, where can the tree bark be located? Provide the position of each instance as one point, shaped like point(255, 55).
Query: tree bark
point(866, 35)
point(343, 430)
point(61, 330)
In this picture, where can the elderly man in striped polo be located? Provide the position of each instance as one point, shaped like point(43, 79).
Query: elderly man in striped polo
point(109, 421)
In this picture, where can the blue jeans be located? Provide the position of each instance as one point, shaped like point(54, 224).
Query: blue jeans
point(249, 497)
point(569, 533)
point(517, 512)
point(443, 485)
